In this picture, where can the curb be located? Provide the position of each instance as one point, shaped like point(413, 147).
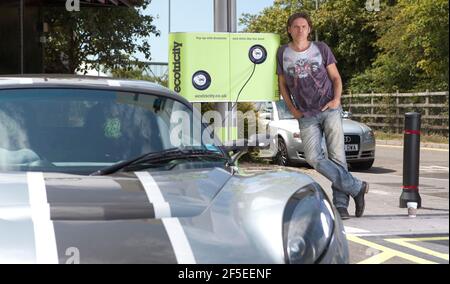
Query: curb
point(422, 144)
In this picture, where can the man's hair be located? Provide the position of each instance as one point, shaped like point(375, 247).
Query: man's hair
point(296, 16)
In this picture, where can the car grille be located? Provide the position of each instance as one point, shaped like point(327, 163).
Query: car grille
point(367, 154)
point(352, 139)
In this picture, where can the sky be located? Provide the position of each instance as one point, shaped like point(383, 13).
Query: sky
point(190, 16)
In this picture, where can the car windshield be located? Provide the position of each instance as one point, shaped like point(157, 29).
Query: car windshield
point(283, 111)
point(80, 130)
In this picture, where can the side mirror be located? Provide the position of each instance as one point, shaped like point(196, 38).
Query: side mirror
point(346, 114)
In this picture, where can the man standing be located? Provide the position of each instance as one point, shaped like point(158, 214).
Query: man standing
point(311, 86)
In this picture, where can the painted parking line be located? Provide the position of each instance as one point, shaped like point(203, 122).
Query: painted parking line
point(378, 258)
point(386, 253)
point(354, 231)
point(398, 176)
point(422, 148)
point(407, 243)
point(434, 169)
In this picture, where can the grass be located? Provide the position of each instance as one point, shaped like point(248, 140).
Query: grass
point(379, 135)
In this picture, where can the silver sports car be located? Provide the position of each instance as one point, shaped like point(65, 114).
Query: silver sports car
point(91, 171)
point(359, 138)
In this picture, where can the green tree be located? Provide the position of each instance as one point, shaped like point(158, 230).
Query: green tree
point(104, 37)
point(414, 45)
point(273, 19)
point(345, 25)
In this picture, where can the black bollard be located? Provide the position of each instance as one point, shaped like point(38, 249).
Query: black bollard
point(411, 160)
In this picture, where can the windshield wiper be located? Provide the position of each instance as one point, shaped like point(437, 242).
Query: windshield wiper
point(158, 157)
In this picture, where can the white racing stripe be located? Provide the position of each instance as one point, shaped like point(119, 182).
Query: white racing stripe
point(25, 81)
point(177, 236)
point(15, 213)
point(44, 232)
point(179, 241)
point(160, 206)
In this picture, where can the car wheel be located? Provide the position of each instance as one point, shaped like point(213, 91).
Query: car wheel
point(281, 158)
point(362, 165)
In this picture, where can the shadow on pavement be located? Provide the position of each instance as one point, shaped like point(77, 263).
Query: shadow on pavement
point(433, 209)
point(374, 170)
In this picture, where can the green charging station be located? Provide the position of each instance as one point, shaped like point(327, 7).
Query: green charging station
point(214, 67)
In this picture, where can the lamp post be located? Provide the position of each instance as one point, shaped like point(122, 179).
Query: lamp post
point(169, 15)
point(225, 21)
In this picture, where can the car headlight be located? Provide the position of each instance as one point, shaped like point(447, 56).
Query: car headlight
point(308, 225)
point(368, 135)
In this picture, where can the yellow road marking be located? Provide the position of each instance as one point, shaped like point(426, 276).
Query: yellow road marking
point(389, 250)
point(378, 258)
point(405, 243)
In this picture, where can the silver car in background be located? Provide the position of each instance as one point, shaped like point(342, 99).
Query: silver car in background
point(276, 118)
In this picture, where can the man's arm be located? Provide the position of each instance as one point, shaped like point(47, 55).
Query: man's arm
point(287, 98)
point(335, 78)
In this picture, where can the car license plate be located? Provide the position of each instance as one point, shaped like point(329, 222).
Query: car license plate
point(351, 147)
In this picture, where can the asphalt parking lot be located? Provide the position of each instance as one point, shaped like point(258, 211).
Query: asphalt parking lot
point(386, 234)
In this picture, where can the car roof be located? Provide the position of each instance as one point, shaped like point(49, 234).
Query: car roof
point(84, 82)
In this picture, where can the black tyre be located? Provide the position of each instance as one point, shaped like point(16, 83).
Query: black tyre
point(281, 158)
point(362, 165)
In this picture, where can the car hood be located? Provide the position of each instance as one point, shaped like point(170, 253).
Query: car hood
point(352, 127)
point(195, 216)
point(138, 195)
point(290, 125)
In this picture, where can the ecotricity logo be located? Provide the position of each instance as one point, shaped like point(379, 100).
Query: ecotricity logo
point(176, 51)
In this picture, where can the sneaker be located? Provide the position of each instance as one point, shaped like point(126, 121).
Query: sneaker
point(359, 199)
point(343, 213)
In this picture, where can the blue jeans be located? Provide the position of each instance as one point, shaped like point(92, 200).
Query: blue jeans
point(328, 124)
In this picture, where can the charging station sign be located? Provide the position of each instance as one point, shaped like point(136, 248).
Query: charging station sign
point(214, 67)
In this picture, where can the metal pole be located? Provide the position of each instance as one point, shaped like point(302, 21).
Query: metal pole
point(232, 28)
point(221, 25)
point(411, 161)
point(220, 16)
point(225, 21)
point(169, 16)
point(232, 19)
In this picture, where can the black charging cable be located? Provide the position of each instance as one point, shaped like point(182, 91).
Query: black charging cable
point(239, 94)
